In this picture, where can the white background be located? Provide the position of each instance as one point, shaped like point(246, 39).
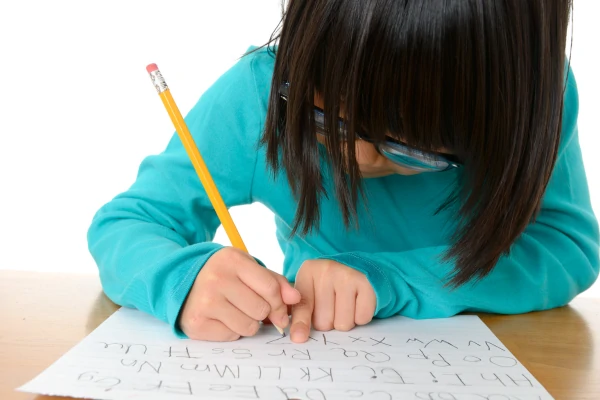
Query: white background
point(78, 113)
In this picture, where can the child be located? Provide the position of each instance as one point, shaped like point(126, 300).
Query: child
point(421, 158)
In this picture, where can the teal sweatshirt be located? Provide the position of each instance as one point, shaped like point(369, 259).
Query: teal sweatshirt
point(151, 241)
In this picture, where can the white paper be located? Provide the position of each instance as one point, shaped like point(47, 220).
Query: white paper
point(134, 356)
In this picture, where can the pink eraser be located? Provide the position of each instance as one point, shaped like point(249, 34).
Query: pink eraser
point(151, 68)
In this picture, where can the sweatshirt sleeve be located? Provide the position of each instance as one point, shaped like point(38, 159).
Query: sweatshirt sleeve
point(150, 242)
point(555, 259)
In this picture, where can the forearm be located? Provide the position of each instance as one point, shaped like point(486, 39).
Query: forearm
point(143, 263)
point(532, 277)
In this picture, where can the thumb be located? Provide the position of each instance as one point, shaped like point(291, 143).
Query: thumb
point(289, 295)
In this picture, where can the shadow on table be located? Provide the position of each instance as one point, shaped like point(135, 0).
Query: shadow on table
point(101, 309)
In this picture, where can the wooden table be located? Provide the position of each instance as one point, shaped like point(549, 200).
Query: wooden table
point(44, 315)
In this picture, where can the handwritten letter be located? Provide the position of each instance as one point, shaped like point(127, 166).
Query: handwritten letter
point(132, 355)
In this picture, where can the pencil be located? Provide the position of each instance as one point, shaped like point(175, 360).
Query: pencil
point(197, 161)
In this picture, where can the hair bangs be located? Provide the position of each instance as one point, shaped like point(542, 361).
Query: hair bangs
point(409, 70)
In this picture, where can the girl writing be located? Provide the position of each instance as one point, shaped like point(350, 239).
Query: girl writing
point(421, 158)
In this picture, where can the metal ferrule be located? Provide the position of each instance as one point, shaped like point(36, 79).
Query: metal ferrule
point(158, 81)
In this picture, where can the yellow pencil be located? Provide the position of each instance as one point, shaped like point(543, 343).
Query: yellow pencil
point(197, 160)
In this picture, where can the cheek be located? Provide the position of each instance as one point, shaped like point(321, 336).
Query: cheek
point(374, 164)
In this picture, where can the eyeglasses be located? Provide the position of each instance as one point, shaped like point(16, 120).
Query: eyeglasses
point(396, 151)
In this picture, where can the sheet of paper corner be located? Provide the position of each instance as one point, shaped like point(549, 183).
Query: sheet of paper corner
point(132, 355)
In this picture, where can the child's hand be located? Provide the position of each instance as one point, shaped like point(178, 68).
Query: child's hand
point(333, 296)
point(231, 294)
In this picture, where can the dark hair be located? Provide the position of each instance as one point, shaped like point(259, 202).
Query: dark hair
point(484, 78)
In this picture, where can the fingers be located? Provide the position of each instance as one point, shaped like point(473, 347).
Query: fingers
point(239, 293)
point(324, 305)
point(264, 283)
point(233, 318)
point(302, 311)
point(231, 294)
point(247, 301)
point(210, 330)
point(366, 301)
point(345, 304)
point(289, 295)
point(267, 321)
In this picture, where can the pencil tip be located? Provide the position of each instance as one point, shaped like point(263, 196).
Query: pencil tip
point(279, 330)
